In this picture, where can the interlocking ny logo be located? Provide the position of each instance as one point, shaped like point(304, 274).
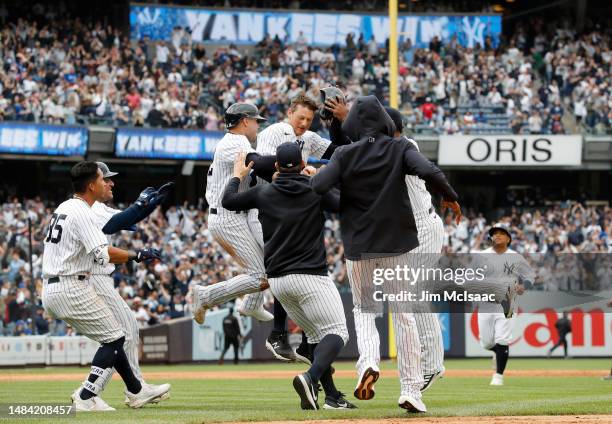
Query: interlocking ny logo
point(509, 268)
point(300, 143)
point(148, 16)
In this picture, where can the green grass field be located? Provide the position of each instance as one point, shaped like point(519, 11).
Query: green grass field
point(217, 400)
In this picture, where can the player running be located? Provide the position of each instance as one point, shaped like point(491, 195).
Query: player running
point(73, 244)
point(506, 268)
point(111, 221)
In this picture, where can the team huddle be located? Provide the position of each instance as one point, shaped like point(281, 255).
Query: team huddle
point(267, 210)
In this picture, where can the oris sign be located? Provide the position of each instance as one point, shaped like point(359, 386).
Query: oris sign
point(514, 150)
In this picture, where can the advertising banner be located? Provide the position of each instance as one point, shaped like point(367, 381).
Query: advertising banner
point(209, 340)
point(166, 144)
point(533, 334)
point(324, 29)
point(510, 150)
point(35, 139)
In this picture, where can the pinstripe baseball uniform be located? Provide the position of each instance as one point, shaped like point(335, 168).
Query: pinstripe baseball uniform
point(104, 286)
point(407, 340)
point(431, 237)
point(68, 261)
point(311, 145)
point(231, 229)
point(377, 221)
point(292, 222)
point(493, 326)
point(313, 303)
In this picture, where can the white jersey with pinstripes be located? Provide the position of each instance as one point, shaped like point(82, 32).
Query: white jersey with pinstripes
point(103, 214)
point(222, 168)
point(420, 199)
point(311, 143)
point(70, 239)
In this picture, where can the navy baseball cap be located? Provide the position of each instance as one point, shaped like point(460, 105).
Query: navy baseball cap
point(288, 155)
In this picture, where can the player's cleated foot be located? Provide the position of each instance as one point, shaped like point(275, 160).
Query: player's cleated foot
point(508, 303)
point(147, 394)
point(302, 354)
point(94, 404)
point(164, 396)
point(497, 380)
point(338, 403)
point(278, 345)
point(411, 403)
point(260, 314)
point(431, 379)
point(365, 385)
point(307, 390)
point(199, 311)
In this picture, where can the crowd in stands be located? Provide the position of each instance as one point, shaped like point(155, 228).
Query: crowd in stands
point(540, 80)
point(160, 291)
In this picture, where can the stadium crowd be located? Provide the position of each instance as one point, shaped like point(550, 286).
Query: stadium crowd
point(539, 80)
point(159, 292)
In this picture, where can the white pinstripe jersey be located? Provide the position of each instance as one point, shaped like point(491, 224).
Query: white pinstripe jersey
point(103, 214)
point(222, 168)
point(420, 199)
point(70, 239)
point(311, 143)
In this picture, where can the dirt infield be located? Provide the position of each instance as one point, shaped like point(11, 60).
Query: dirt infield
point(276, 374)
point(527, 419)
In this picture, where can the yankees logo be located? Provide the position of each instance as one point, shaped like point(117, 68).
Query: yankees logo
point(301, 144)
point(509, 268)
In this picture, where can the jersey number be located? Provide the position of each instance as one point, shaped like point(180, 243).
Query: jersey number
point(55, 229)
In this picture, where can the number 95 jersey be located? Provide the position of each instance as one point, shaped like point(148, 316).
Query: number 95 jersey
point(70, 239)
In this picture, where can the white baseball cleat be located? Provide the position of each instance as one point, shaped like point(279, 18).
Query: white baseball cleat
point(94, 404)
point(260, 314)
point(199, 312)
point(411, 403)
point(148, 394)
point(164, 396)
point(497, 380)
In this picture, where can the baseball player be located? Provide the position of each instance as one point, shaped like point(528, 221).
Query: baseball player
point(111, 221)
point(495, 319)
point(431, 237)
point(232, 229)
point(72, 246)
point(378, 231)
point(292, 220)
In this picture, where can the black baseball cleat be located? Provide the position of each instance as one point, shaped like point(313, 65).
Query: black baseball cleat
point(302, 354)
point(307, 390)
point(338, 403)
point(278, 345)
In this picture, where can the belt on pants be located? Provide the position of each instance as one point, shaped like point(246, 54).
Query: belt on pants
point(53, 280)
point(214, 211)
